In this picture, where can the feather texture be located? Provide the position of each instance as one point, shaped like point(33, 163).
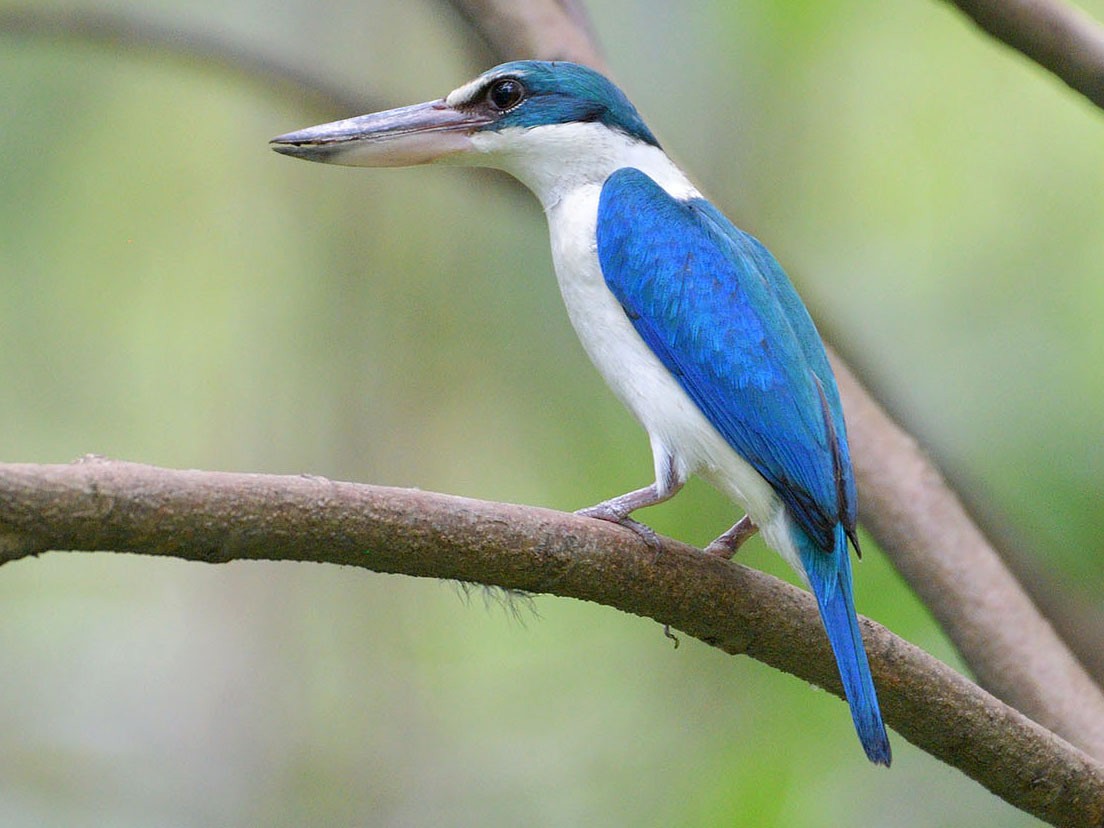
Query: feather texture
point(719, 312)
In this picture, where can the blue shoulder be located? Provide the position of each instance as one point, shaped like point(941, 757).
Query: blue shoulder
point(719, 312)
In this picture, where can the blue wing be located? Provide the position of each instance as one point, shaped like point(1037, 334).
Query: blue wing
point(719, 312)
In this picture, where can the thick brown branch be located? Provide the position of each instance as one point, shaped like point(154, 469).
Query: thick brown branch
point(215, 517)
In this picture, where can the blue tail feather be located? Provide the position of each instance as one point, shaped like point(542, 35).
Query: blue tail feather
point(829, 575)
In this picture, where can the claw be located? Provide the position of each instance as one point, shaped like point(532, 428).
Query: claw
point(646, 533)
point(607, 512)
point(617, 510)
point(728, 544)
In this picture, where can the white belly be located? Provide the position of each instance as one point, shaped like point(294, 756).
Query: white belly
point(674, 423)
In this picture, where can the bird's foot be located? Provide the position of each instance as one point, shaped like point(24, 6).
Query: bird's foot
point(610, 513)
point(728, 544)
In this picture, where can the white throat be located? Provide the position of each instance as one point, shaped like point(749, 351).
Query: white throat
point(548, 160)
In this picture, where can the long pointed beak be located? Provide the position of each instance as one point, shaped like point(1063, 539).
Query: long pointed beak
point(401, 137)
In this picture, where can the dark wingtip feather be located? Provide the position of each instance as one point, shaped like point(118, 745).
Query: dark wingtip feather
point(853, 536)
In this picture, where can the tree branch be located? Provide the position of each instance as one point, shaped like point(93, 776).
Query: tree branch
point(920, 523)
point(549, 29)
point(215, 517)
point(1056, 35)
point(203, 50)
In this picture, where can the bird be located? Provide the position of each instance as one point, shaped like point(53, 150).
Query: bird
point(692, 322)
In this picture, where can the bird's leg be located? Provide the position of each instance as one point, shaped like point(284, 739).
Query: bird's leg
point(617, 509)
point(728, 544)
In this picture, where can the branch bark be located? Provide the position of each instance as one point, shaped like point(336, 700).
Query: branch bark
point(216, 517)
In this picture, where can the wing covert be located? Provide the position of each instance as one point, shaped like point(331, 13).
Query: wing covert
point(718, 311)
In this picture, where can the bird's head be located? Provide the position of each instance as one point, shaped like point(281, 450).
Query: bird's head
point(524, 117)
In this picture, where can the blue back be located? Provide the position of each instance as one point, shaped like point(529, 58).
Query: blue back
point(719, 312)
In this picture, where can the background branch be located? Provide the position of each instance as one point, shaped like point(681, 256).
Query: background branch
point(550, 29)
point(217, 517)
point(203, 51)
point(933, 542)
point(1058, 36)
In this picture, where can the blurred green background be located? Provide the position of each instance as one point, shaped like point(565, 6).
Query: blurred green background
point(173, 292)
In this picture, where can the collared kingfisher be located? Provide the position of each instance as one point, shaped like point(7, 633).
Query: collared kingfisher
point(691, 321)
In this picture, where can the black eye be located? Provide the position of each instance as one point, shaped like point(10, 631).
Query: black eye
point(505, 93)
